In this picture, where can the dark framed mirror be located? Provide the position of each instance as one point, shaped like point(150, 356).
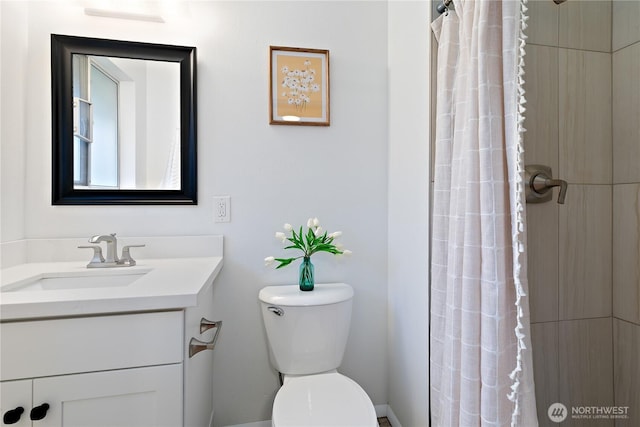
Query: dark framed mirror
point(123, 122)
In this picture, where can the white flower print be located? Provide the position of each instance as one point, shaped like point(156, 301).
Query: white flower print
point(298, 83)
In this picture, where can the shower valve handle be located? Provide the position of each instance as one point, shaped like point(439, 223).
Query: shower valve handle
point(539, 184)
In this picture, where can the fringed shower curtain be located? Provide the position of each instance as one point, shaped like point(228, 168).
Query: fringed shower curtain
point(481, 367)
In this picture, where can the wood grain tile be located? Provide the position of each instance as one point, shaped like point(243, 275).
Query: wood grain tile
point(543, 23)
point(586, 366)
point(541, 147)
point(626, 252)
point(544, 343)
point(585, 252)
point(542, 260)
point(626, 339)
point(626, 114)
point(541, 118)
point(585, 25)
point(585, 117)
point(626, 23)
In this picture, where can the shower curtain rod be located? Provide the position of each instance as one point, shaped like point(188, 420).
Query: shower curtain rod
point(443, 6)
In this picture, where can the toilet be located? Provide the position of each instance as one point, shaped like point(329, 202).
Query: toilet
point(307, 334)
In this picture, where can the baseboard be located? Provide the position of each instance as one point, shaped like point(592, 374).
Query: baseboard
point(392, 417)
point(381, 411)
point(265, 423)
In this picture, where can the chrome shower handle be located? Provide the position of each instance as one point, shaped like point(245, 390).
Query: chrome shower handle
point(539, 184)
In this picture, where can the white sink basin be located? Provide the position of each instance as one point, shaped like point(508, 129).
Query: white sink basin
point(58, 281)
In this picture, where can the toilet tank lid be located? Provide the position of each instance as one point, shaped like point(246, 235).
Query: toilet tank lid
point(291, 295)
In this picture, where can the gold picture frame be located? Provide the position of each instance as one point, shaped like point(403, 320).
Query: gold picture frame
point(298, 86)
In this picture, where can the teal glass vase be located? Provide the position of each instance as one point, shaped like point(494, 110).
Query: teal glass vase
point(306, 281)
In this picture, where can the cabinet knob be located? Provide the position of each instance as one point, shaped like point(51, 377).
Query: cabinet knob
point(13, 416)
point(39, 412)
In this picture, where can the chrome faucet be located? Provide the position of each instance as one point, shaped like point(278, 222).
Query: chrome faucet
point(112, 246)
point(112, 260)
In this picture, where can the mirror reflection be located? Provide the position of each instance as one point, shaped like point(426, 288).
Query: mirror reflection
point(126, 123)
point(123, 122)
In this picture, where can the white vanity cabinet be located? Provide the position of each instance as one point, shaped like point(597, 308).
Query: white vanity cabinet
point(118, 370)
point(124, 397)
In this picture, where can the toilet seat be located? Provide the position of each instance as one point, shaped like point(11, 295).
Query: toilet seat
point(322, 400)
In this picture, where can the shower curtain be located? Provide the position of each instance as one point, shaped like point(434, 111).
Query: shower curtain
point(481, 370)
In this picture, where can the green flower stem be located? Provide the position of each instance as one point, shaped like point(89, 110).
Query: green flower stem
point(309, 244)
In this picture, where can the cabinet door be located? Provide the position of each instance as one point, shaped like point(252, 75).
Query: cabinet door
point(150, 396)
point(14, 395)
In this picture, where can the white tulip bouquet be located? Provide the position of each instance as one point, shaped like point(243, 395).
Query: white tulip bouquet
point(316, 239)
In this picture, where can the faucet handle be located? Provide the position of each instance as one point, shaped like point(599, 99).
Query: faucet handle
point(97, 254)
point(126, 255)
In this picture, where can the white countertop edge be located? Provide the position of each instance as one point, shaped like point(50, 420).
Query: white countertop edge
point(172, 284)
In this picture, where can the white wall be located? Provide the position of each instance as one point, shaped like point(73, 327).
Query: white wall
point(13, 116)
point(408, 258)
point(274, 174)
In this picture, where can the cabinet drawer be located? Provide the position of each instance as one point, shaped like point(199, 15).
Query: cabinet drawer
point(84, 344)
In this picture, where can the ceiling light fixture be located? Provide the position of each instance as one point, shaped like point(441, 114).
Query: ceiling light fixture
point(104, 13)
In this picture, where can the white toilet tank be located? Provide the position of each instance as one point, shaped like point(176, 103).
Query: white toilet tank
point(307, 331)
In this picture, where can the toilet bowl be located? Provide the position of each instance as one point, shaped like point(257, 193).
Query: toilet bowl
point(307, 334)
point(322, 400)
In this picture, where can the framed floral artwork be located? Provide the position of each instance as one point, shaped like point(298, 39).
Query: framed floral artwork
point(298, 86)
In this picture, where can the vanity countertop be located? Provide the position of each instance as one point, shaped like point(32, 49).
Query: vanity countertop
point(165, 284)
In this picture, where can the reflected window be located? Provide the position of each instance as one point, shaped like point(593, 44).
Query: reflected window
point(95, 122)
point(81, 120)
point(103, 154)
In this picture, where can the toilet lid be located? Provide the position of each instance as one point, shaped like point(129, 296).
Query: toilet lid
point(323, 400)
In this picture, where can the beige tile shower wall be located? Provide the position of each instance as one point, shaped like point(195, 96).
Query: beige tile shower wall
point(585, 25)
point(586, 367)
point(585, 253)
point(626, 207)
point(626, 23)
point(585, 116)
point(543, 261)
point(541, 119)
point(626, 113)
point(543, 23)
point(569, 127)
point(626, 252)
point(544, 343)
point(626, 354)
point(541, 147)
